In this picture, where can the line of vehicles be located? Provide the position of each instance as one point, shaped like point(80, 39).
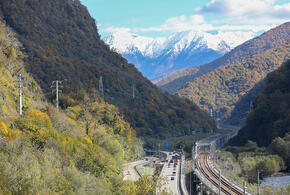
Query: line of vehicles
point(173, 161)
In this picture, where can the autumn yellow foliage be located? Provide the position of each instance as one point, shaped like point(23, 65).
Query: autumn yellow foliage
point(40, 119)
point(13, 134)
point(3, 128)
point(88, 140)
point(51, 152)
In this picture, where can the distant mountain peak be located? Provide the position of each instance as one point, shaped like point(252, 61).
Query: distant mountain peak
point(159, 56)
point(126, 43)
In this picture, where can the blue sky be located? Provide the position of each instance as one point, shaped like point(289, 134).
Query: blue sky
point(163, 17)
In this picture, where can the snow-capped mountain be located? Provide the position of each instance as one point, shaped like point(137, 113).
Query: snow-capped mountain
point(158, 57)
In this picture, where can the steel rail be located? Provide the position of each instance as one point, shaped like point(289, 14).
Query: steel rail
point(213, 177)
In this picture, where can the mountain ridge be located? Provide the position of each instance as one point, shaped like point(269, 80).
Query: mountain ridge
point(270, 116)
point(62, 42)
point(221, 88)
point(158, 57)
point(246, 50)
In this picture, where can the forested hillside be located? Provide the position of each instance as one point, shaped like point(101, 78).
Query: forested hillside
point(268, 127)
point(222, 88)
point(79, 150)
point(245, 105)
point(62, 42)
point(271, 115)
point(271, 39)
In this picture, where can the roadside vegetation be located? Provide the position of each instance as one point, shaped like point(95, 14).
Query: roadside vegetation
point(146, 170)
point(242, 164)
point(264, 142)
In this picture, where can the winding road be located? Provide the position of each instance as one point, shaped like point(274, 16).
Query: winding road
point(130, 172)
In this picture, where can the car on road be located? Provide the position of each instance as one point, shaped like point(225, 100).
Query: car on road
point(174, 172)
point(172, 178)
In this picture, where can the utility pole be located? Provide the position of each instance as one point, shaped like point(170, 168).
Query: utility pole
point(258, 186)
point(133, 90)
point(58, 85)
point(245, 187)
point(101, 87)
point(57, 95)
point(219, 182)
point(201, 190)
point(159, 149)
point(138, 152)
point(251, 106)
point(190, 173)
point(138, 149)
point(218, 119)
point(20, 94)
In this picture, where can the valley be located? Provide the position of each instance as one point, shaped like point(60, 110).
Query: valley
point(163, 104)
point(223, 85)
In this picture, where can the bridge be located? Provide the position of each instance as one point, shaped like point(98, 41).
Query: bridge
point(210, 144)
point(202, 153)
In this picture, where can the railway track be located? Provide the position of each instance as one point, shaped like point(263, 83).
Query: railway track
point(212, 176)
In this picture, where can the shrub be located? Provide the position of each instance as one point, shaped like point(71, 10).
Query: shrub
point(3, 129)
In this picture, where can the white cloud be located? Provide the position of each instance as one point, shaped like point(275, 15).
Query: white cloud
point(112, 29)
point(236, 7)
point(198, 23)
point(180, 23)
point(253, 28)
point(238, 15)
point(282, 11)
point(248, 11)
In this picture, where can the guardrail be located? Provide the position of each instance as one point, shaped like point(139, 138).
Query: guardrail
point(181, 187)
point(135, 168)
point(232, 182)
